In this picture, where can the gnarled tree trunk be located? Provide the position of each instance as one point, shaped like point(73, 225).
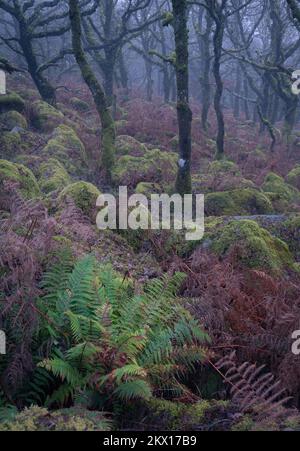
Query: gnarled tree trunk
point(107, 122)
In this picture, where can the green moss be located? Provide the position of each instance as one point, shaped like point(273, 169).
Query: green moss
point(293, 177)
point(153, 167)
point(291, 234)
point(174, 143)
point(148, 188)
point(32, 162)
point(45, 117)
point(72, 419)
point(176, 416)
point(255, 246)
point(28, 185)
point(120, 125)
point(10, 144)
point(238, 202)
point(84, 195)
point(127, 145)
point(66, 147)
point(293, 423)
point(244, 425)
point(13, 119)
point(31, 95)
point(224, 166)
point(53, 176)
point(79, 105)
point(288, 420)
point(67, 137)
point(219, 176)
point(10, 102)
point(273, 183)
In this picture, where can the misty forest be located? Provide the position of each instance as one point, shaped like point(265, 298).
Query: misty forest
point(139, 329)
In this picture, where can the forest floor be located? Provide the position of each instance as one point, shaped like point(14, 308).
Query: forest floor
point(241, 284)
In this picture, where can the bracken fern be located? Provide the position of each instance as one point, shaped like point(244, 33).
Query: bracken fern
point(115, 345)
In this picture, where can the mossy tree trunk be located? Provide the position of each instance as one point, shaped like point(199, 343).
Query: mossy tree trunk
point(107, 122)
point(281, 80)
point(46, 90)
point(167, 70)
point(25, 39)
point(217, 43)
point(184, 113)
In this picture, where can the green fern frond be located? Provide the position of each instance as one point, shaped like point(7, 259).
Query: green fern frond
point(138, 389)
point(128, 371)
point(119, 346)
point(62, 369)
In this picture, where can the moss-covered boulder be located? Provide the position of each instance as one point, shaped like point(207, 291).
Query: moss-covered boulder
point(224, 167)
point(32, 162)
point(290, 232)
point(84, 195)
point(127, 145)
point(79, 105)
point(39, 419)
point(66, 147)
point(257, 159)
point(155, 166)
point(148, 188)
point(293, 177)
point(218, 176)
point(30, 95)
point(275, 184)
point(45, 117)
point(26, 181)
point(208, 183)
point(237, 203)
point(11, 102)
point(13, 119)
point(53, 176)
point(254, 246)
point(10, 144)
